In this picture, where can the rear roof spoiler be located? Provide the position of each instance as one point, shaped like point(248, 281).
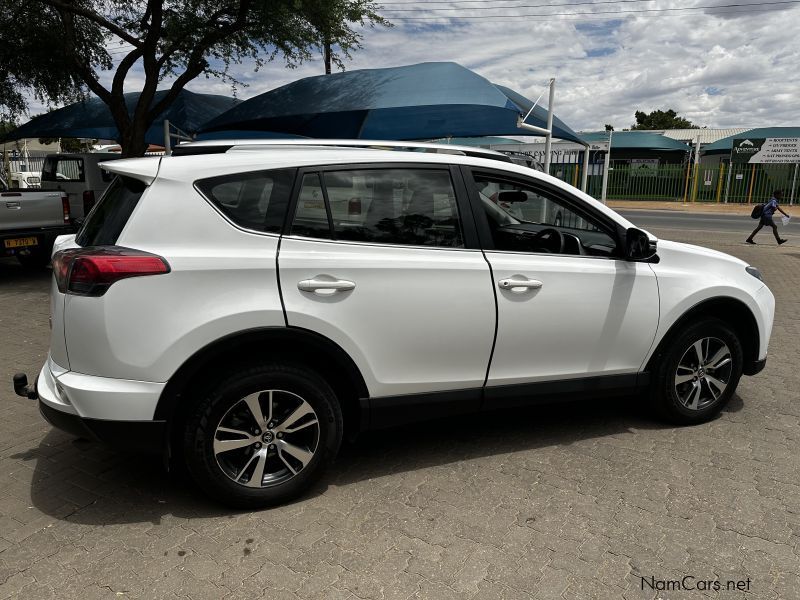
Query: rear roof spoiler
point(144, 169)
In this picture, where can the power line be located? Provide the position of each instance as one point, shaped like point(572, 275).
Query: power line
point(518, 6)
point(601, 12)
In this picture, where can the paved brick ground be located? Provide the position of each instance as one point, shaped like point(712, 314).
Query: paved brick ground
point(567, 502)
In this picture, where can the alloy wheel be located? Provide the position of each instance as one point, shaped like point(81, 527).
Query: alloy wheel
point(266, 438)
point(703, 373)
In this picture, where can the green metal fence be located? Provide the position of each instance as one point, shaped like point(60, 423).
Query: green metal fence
point(691, 183)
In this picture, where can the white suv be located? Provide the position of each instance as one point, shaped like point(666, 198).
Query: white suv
point(241, 307)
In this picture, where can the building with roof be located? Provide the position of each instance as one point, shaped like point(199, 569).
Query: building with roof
point(720, 150)
point(629, 146)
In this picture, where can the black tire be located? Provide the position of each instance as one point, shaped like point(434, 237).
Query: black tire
point(290, 384)
point(36, 260)
point(674, 401)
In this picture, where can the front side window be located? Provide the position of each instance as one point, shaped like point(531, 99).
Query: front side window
point(525, 218)
point(400, 206)
point(256, 200)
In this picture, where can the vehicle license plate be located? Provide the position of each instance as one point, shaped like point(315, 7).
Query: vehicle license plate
point(21, 242)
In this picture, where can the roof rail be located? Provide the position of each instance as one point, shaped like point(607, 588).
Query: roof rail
point(224, 146)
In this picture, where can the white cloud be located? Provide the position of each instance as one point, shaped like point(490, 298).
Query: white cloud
point(716, 67)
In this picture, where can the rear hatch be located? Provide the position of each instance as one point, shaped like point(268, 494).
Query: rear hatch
point(30, 209)
point(102, 227)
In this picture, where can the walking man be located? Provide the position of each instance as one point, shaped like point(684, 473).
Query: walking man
point(766, 217)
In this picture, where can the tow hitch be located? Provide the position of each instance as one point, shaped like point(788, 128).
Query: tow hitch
point(21, 387)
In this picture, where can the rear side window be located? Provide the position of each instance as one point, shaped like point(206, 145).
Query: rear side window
point(107, 220)
point(400, 206)
point(255, 201)
point(63, 169)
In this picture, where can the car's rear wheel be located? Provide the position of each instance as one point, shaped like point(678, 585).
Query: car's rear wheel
point(698, 372)
point(263, 435)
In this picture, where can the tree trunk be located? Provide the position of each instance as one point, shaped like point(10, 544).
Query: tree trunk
point(132, 141)
point(326, 53)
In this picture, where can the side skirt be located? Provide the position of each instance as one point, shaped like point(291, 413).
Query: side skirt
point(391, 411)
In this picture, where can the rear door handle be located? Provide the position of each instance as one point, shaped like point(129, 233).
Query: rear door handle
point(519, 285)
point(15, 205)
point(324, 285)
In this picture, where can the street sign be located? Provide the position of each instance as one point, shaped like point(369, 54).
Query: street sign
point(765, 151)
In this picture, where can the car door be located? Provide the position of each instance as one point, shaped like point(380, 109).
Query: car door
point(567, 310)
point(381, 260)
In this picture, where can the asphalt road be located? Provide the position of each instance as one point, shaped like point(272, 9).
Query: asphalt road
point(669, 219)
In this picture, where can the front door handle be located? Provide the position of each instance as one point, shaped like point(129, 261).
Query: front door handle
point(324, 285)
point(519, 285)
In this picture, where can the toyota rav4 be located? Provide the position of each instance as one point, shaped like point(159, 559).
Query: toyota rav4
point(241, 307)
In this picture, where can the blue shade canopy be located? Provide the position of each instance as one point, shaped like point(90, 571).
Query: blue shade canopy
point(92, 118)
point(724, 145)
point(476, 141)
point(414, 102)
point(636, 140)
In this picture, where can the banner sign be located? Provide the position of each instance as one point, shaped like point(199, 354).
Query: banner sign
point(644, 167)
point(765, 151)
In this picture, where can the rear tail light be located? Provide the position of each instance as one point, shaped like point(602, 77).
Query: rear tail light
point(91, 271)
point(65, 207)
point(88, 201)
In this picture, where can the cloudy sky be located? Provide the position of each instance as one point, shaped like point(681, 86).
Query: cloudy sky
point(718, 65)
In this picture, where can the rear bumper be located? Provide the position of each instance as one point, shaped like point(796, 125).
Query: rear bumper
point(113, 411)
point(135, 436)
point(98, 398)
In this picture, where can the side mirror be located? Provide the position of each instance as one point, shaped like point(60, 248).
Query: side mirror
point(638, 245)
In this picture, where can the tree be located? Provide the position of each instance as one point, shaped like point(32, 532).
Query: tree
point(32, 60)
point(609, 127)
point(167, 39)
point(330, 19)
point(660, 119)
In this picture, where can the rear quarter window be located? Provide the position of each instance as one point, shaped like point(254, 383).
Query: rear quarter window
point(256, 200)
point(108, 218)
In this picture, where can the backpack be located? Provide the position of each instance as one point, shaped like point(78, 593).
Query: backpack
point(758, 210)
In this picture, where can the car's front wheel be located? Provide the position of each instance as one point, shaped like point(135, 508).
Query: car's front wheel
point(698, 372)
point(263, 435)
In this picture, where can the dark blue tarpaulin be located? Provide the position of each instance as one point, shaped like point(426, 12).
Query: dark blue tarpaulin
point(92, 118)
point(423, 101)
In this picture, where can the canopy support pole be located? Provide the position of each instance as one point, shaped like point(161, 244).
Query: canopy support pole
point(168, 135)
point(585, 175)
point(167, 146)
point(549, 136)
point(523, 125)
point(606, 165)
point(546, 132)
